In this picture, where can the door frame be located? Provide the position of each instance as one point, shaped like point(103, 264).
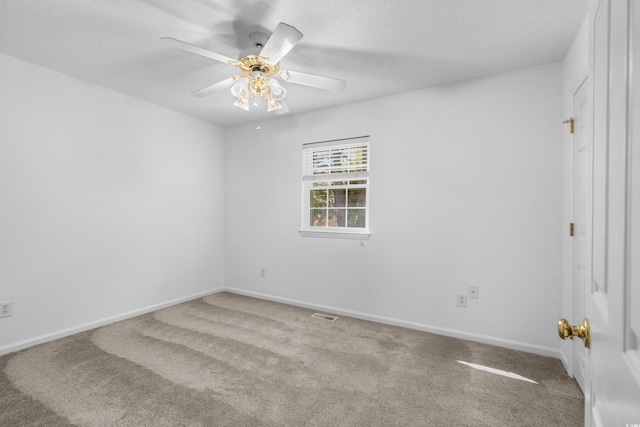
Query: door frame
point(568, 303)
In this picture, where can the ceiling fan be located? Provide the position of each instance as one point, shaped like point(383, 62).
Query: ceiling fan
point(261, 70)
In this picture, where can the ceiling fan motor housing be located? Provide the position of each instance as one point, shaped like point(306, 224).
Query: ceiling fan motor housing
point(251, 63)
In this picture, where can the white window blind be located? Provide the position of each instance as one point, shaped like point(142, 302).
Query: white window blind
point(344, 159)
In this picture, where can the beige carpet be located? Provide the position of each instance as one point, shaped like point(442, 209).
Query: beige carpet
point(231, 360)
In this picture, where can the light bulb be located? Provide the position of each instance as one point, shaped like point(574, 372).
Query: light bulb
point(241, 91)
point(241, 87)
point(277, 91)
point(284, 75)
point(242, 102)
point(273, 105)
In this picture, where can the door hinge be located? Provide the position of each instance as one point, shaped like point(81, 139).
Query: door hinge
point(571, 229)
point(571, 121)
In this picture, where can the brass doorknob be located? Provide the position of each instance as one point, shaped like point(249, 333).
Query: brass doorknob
point(567, 331)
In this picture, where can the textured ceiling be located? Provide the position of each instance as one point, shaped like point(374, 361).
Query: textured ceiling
point(379, 47)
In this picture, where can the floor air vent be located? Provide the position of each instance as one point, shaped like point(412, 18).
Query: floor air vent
point(324, 316)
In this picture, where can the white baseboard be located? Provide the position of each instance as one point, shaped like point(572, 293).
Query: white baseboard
point(485, 339)
point(500, 342)
point(102, 322)
point(566, 359)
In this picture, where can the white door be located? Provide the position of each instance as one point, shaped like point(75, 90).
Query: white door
point(582, 222)
point(612, 386)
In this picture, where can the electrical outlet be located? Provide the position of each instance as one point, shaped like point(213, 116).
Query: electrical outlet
point(473, 292)
point(6, 309)
point(461, 300)
point(263, 272)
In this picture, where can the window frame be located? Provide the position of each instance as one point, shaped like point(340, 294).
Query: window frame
point(308, 179)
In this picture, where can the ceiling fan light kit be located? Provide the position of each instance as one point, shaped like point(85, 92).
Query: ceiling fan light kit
point(262, 71)
point(258, 84)
point(257, 81)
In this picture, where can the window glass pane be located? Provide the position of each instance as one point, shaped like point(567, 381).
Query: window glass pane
point(318, 218)
point(358, 182)
point(357, 197)
point(337, 198)
point(356, 218)
point(318, 198)
point(336, 218)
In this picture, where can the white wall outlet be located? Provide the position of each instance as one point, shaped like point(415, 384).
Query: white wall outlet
point(461, 300)
point(6, 309)
point(263, 272)
point(473, 292)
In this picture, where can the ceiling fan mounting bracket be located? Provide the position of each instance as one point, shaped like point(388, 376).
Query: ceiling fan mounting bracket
point(258, 39)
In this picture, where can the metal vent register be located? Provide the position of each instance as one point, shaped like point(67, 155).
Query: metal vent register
point(324, 316)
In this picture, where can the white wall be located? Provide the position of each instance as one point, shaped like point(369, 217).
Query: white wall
point(112, 206)
point(575, 69)
point(109, 205)
point(466, 189)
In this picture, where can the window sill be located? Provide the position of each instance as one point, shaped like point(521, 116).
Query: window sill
point(354, 235)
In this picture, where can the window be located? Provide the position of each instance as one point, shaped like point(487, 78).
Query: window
point(335, 188)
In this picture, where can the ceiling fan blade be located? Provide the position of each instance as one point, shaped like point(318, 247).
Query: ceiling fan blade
point(321, 82)
point(283, 110)
point(281, 42)
point(208, 90)
point(195, 49)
